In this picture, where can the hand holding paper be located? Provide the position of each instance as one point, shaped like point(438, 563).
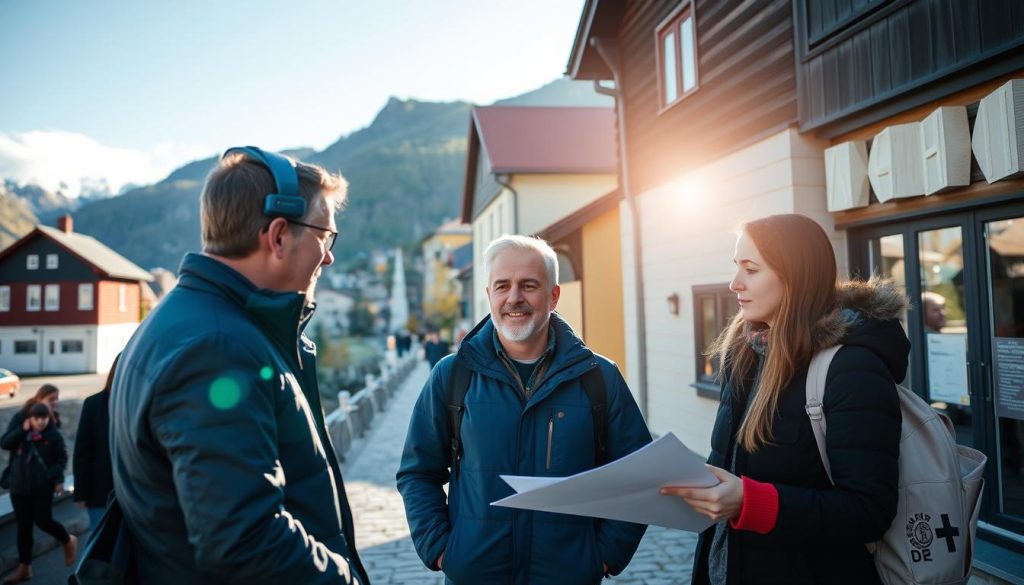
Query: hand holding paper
point(627, 489)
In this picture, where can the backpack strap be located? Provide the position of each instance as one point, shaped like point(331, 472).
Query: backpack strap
point(593, 385)
point(458, 386)
point(815, 391)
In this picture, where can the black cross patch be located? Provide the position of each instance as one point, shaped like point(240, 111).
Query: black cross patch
point(947, 531)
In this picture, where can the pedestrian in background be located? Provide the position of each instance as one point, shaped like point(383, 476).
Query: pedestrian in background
point(434, 348)
point(38, 459)
point(779, 518)
point(94, 478)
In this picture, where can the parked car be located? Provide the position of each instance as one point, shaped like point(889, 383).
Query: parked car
point(9, 382)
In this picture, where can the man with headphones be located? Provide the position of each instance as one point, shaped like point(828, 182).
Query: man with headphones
point(223, 466)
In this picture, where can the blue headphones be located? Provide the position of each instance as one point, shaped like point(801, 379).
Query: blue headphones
point(286, 202)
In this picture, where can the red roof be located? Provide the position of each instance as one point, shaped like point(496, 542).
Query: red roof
point(547, 140)
point(528, 140)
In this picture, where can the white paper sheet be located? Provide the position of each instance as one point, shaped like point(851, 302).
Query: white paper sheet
point(626, 489)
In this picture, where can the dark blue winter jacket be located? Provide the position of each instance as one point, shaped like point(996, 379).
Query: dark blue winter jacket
point(504, 433)
point(222, 462)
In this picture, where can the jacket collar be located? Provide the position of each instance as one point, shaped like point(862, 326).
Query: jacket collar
point(282, 315)
point(569, 356)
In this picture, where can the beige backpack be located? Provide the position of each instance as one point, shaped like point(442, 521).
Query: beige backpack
point(931, 540)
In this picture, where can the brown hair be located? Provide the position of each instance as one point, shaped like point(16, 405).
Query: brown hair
point(231, 206)
point(110, 374)
point(44, 391)
point(800, 253)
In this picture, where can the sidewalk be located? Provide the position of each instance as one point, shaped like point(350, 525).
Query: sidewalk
point(664, 557)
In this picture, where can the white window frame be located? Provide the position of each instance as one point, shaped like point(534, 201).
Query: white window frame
point(122, 298)
point(35, 346)
point(86, 292)
point(51, 297)
point(684, 76)
point(5, 298)
point(33, 292)
point(32, 262)
point(52, 261)
point(80, 345)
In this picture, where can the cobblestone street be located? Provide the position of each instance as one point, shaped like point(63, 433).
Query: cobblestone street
point(382, 534)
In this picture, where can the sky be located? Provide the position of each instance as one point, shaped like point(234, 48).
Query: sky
point(121, 92)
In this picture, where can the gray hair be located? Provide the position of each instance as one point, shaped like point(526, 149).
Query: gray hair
point(516, 242)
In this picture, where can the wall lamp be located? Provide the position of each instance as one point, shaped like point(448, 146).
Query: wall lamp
point(673, 304)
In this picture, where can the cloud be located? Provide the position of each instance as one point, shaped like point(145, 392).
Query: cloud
point(75, 163)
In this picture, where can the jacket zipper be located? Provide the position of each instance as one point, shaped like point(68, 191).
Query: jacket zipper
point(551, 432)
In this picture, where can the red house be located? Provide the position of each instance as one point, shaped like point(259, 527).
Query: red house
point(68, 304)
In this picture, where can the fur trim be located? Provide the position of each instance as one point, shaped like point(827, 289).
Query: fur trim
point(856, 300)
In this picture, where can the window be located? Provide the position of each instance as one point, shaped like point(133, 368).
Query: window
point(122, 298)
point(713, 309)
point(33, 301)
point(85, 297)
point(677, 55)
point(32, 262)
point(5, 298)
point(25, 346)
point(71, 346)
point(51, 261)
point(53, 297)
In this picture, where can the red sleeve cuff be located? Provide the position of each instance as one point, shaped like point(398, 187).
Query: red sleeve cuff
point(760, 507)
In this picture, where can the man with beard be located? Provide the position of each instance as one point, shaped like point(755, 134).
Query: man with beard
point(529, 407)
point(222, 462)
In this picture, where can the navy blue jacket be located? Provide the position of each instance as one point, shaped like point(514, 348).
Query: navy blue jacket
point(503, 433)
point(222, 462)
point(94, 479)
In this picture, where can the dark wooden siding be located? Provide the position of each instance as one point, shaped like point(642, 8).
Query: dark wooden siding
point(874, 59)
point(747, 85)
point(69, 266)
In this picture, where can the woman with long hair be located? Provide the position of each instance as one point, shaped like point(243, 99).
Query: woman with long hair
point(778, 517)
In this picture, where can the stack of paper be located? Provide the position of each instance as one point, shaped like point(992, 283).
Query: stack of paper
point(626, 489)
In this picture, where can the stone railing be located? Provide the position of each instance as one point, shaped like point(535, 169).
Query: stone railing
point(355, 413)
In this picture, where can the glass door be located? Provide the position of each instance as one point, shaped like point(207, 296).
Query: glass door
point(964, 275)
point(1002, 255)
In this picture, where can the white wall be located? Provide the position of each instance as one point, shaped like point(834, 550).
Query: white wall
point(494, 221)
point(540, 201)
point(110, 340)
point(545, 199)
point(94, 357)
point(688, 233)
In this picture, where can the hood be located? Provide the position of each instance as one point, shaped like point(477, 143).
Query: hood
point(868, 315)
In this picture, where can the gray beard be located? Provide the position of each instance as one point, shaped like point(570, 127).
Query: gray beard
point(521, 333)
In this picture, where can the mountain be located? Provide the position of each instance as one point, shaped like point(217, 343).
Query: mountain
point(562, 92)
point(46, 205)
point(404, 170)
point(16, 217)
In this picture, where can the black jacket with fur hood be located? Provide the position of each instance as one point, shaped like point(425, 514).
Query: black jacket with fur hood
point(820, 530)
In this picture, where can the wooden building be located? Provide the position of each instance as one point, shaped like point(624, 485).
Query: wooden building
point(894, 123)
point(68, 304)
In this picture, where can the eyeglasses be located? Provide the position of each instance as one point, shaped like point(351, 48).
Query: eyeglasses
point(332, 236)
